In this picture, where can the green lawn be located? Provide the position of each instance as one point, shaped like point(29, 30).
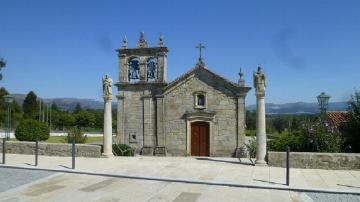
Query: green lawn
point(62, 139)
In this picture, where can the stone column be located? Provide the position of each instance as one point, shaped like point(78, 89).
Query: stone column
point(260, 84)
point(107, 139)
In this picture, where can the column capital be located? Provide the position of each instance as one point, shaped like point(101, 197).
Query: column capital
point(260, 94)
point(107, 98)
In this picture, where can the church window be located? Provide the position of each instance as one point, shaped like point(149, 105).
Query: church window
point(151, 69)
point(200, 100)
point(134, 69)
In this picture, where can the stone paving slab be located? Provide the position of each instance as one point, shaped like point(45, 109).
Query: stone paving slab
point(19, 178)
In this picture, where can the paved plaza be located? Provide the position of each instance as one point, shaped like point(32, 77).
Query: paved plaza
point(168, 179)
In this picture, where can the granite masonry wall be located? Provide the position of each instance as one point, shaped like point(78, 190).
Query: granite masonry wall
point(51, 149)
point(220, 100)
point(340, 161)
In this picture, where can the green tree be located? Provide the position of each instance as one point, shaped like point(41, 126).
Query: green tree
point(352, 128)
point(85, 119)
point(3, 106)
point(250, 120)
point(2, 65)
point(280, 123)
point(65, 120)
point(30, 106)
point(77, 108)
point(54, 107)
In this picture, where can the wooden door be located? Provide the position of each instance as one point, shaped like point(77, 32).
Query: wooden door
point(200, 139)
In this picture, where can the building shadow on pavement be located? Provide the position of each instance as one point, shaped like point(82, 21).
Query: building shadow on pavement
point(224, 161)
point(270, 182)
point(344, 185)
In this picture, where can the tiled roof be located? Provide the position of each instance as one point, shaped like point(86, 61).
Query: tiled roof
point(337, 118)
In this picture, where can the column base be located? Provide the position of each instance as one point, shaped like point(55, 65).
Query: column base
point(107, 155)
point(260, 163)
point(147, 151)
point(160, 151)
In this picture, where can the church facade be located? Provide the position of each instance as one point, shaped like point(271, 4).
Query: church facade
point(199, 114)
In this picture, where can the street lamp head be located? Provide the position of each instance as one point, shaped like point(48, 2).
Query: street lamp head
point(8, 99)
point(323, 101)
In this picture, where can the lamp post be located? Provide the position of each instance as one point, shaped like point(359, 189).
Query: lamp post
point(8, 99)
point(323, 101)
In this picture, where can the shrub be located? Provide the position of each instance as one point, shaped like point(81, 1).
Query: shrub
point(30, 130)
point(251, 147)
point(316, 136)
point(321, 137)
point(122, 150)
point(75, 134)
point(285, 139)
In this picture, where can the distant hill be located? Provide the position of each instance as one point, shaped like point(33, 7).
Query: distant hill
point(66, 103)
point(288, 108)
point(299, 107)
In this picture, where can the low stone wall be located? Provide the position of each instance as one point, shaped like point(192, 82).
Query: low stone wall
point(51, 149)
point(340, 161)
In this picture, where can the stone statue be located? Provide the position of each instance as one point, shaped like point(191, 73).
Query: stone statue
point(107, 83)
point(259, 80)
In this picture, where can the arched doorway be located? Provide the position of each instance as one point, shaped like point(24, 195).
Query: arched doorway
point(200, 141)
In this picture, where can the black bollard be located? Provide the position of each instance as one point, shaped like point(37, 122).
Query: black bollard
point(73, 154)
point(36, 152)
point(288, 166)
point(4, 150)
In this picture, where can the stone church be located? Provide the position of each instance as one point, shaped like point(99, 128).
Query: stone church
point(199, 114)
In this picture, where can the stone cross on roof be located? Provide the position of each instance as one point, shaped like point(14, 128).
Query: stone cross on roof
point(200, 47)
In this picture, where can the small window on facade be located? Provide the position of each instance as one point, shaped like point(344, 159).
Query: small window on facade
point(200, 100)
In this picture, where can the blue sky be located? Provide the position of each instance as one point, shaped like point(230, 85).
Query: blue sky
point(63, 48)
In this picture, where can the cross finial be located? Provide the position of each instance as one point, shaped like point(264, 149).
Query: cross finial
point(125, 43)
point(161, 40)
point(200, 47)
point(241, 81)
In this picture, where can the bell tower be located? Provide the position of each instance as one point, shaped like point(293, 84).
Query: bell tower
point(142, 64)
point(142, 78)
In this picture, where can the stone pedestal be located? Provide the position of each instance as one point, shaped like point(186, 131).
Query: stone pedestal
point(260, 84)
point(160, 151)
point(107, 140)
point(147, 151)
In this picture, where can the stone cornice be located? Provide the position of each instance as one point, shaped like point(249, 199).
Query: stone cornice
point(140, 83)
point(200, 115)
point(142, 51)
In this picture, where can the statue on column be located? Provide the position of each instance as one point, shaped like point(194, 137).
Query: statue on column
point(259, 80)
point(260, 84)
point(107, 83)
point(107, 140)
